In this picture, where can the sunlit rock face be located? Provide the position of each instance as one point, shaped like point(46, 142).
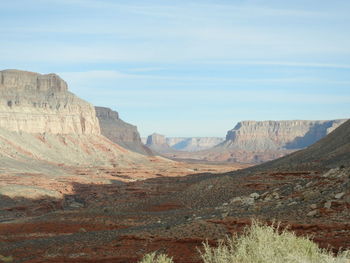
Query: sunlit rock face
point(277, 135)
point(35, 103)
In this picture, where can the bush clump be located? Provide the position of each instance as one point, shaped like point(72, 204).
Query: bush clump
point(261, 243)
point(269, 244)
point(156, 258)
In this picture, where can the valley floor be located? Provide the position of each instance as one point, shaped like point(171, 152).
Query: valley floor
point(122, 221)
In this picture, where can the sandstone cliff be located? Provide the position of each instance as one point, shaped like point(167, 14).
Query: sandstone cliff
point(35, 103)
point(40, 120)
point(120, 132)
point(157, 143)
point(277, 135)
point(260, 141)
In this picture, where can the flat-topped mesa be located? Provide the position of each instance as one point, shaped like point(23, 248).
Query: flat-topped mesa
point(35, 103)
point(104, 113)
point(193, 144)
point(157, 143)
point(25, 80)
point(156, 139)
point(277, 135)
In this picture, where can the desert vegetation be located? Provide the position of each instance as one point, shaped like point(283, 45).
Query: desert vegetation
point(261, 243)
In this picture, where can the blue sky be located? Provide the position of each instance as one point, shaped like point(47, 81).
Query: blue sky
point(189, 68)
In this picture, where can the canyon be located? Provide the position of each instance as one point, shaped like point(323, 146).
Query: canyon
point(261, 141)
point(78, 185)
point(161, 144)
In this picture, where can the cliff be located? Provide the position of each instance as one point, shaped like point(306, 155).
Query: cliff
point(332, 151)
point(277, 135)
point(157, 143)
point(36, 103)
point(261, 141)
point(40, 120)
point(120, 132)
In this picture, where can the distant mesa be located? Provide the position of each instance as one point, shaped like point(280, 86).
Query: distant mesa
point(259, 141)
point(332, 151)
point(157, 143)
point(167, 145)
point(277, 135)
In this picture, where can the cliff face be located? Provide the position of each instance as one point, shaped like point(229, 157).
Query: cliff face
point(332, 151)
point(261, 141)
point(36, 103)
point(120, 132)
point(40, 120)
point(277, 135)
point(157, 143)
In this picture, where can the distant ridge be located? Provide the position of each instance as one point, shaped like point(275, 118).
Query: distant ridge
point(330, 152)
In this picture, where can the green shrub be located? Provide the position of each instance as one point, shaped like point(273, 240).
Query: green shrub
point(156, 258)
point(269, 244)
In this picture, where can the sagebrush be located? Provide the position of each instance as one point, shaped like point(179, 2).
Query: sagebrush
point(261, 243)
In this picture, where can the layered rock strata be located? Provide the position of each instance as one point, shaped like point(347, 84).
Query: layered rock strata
point(35, 103)
point(260, 141)
point(120, 132)
point(193, 144)
point(277, 135)
point(164, 144)
point(40, 120)
point(157, 143)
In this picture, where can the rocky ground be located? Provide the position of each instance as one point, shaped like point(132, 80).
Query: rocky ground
point(120, 222)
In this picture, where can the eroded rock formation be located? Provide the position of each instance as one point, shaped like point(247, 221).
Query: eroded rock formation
point(277, 135)
point(41, 121)
point(193, 144)
point(120, 132)
point(260, 141)
point(35, 103)
point(185, 144)
point(157, 143)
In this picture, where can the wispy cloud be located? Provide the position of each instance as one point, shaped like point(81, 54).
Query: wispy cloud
point(155, 58)
point(279, 63)
point(107, 75)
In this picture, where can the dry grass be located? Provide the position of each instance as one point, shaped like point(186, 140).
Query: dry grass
point(262, 244)
point(156, 258)
point(269, 244)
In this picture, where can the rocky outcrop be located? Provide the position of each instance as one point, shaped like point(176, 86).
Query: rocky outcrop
point(193, 144)
point(261, 141)
point(157, 143)
point(277, 135)
point(41, 121)
point(330, 152)
point(35, 103)
point(120, 132)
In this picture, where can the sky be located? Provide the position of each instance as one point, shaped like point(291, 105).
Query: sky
point(189, 68)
